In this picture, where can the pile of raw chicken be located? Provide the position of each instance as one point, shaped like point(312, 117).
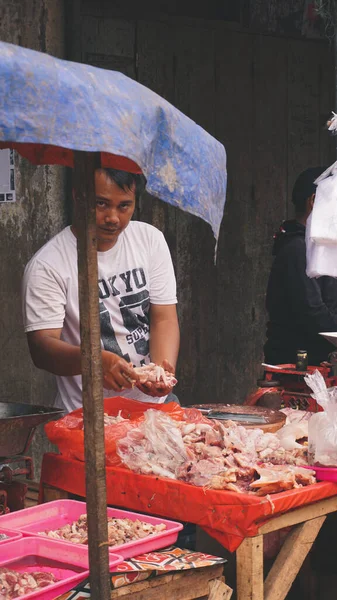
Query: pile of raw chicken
point(120, 531)
point(219, 455)
point(14, 584)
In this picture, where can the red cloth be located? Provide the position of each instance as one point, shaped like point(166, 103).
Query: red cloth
point(229, 517)
point(44, 154)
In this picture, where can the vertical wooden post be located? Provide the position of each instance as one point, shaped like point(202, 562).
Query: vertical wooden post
point(93, 414)
point(249, 569)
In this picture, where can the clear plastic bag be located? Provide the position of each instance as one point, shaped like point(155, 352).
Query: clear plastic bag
point(155, 447)
point(322, 428)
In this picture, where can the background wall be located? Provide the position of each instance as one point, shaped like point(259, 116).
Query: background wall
point(39, 213)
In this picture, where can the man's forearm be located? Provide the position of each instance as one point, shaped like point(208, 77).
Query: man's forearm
point(56, 356)
point(164, 342)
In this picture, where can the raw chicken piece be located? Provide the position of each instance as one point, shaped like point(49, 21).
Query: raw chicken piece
point(277, 478)
point(233, 479)
point(289, 434)
point(110, 420)
point(153, 373)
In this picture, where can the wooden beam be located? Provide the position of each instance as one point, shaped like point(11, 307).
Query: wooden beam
point(185, 585)
point(218, 590)
point(297, 545)
point(93, 417)
point(311, 511)
point(249, 569)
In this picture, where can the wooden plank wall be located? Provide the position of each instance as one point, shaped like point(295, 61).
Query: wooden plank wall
point(266, 98)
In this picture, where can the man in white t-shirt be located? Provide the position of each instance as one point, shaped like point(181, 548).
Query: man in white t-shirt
point(137, 298)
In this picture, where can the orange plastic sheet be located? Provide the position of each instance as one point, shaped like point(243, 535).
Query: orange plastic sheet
point(229, 517)
point(68, 435)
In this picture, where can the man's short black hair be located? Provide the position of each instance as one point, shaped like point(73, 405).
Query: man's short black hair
point(305, 187)
point(126, 180)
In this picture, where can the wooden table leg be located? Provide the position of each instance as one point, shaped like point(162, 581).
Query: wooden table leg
point(51, 493)
point(249, 569)
point(290, 558)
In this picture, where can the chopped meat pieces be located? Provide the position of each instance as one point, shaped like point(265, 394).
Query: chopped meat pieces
point(3, 536)
point(120, 531)
point(14, 584)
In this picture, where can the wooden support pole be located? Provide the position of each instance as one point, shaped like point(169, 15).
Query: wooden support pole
point(92, 394)
point(286, 567)
point(249, 569)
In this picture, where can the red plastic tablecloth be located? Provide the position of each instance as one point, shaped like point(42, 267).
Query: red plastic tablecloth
point(229, 517)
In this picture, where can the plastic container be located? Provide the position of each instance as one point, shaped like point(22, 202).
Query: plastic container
point(68, 563)
point(52, 515)
point(12, 536)
point(324, 473)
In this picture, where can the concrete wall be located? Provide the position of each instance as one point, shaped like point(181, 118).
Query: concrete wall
point(25, 226)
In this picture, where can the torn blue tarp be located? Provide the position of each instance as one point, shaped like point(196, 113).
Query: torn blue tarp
point(48, 101)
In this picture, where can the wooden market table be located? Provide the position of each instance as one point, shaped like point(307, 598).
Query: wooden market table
point(60, 480)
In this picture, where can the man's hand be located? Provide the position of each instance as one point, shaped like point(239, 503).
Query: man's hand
point(117, 373)
point(158, 388)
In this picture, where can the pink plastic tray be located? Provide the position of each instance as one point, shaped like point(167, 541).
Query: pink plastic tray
point(69, 563)
point(324, 473)
point(12, 535)
point(53, 515)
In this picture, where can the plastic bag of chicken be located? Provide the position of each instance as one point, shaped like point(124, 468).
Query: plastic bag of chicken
point(322, 427)
point(155, 447)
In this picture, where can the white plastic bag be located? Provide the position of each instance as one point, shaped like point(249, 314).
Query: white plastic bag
point(324, 213)
point(321, 258)
point(322, 434)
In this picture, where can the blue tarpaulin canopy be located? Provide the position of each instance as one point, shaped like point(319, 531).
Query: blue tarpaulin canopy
point(50, 107)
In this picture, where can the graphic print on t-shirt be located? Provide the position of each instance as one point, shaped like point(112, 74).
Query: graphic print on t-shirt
point(134, 309)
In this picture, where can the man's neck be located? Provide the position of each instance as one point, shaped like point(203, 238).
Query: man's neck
point(301, 219)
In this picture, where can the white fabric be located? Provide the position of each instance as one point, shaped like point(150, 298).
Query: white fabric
point(321, 258)
point(324, 213)
point(135, 273)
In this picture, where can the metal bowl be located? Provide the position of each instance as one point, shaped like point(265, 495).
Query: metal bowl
point(18, 423)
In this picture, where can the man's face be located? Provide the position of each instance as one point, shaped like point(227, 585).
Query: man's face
point(114, 209)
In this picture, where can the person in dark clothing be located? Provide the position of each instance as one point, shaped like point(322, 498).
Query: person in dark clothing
point(299, 308)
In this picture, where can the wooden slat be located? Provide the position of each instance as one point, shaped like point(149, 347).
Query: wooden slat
point(235, 264)
point(188, 585)
point(92, 394)
point(303, 110)
point(327, 142)
point(218, 590)
point(268, 207)
point(318, 509)
point(249, 562)
point(109, 44)
point(196, 272)
point(290, 559)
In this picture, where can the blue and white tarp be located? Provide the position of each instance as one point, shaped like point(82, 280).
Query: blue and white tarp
point(45, 100)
